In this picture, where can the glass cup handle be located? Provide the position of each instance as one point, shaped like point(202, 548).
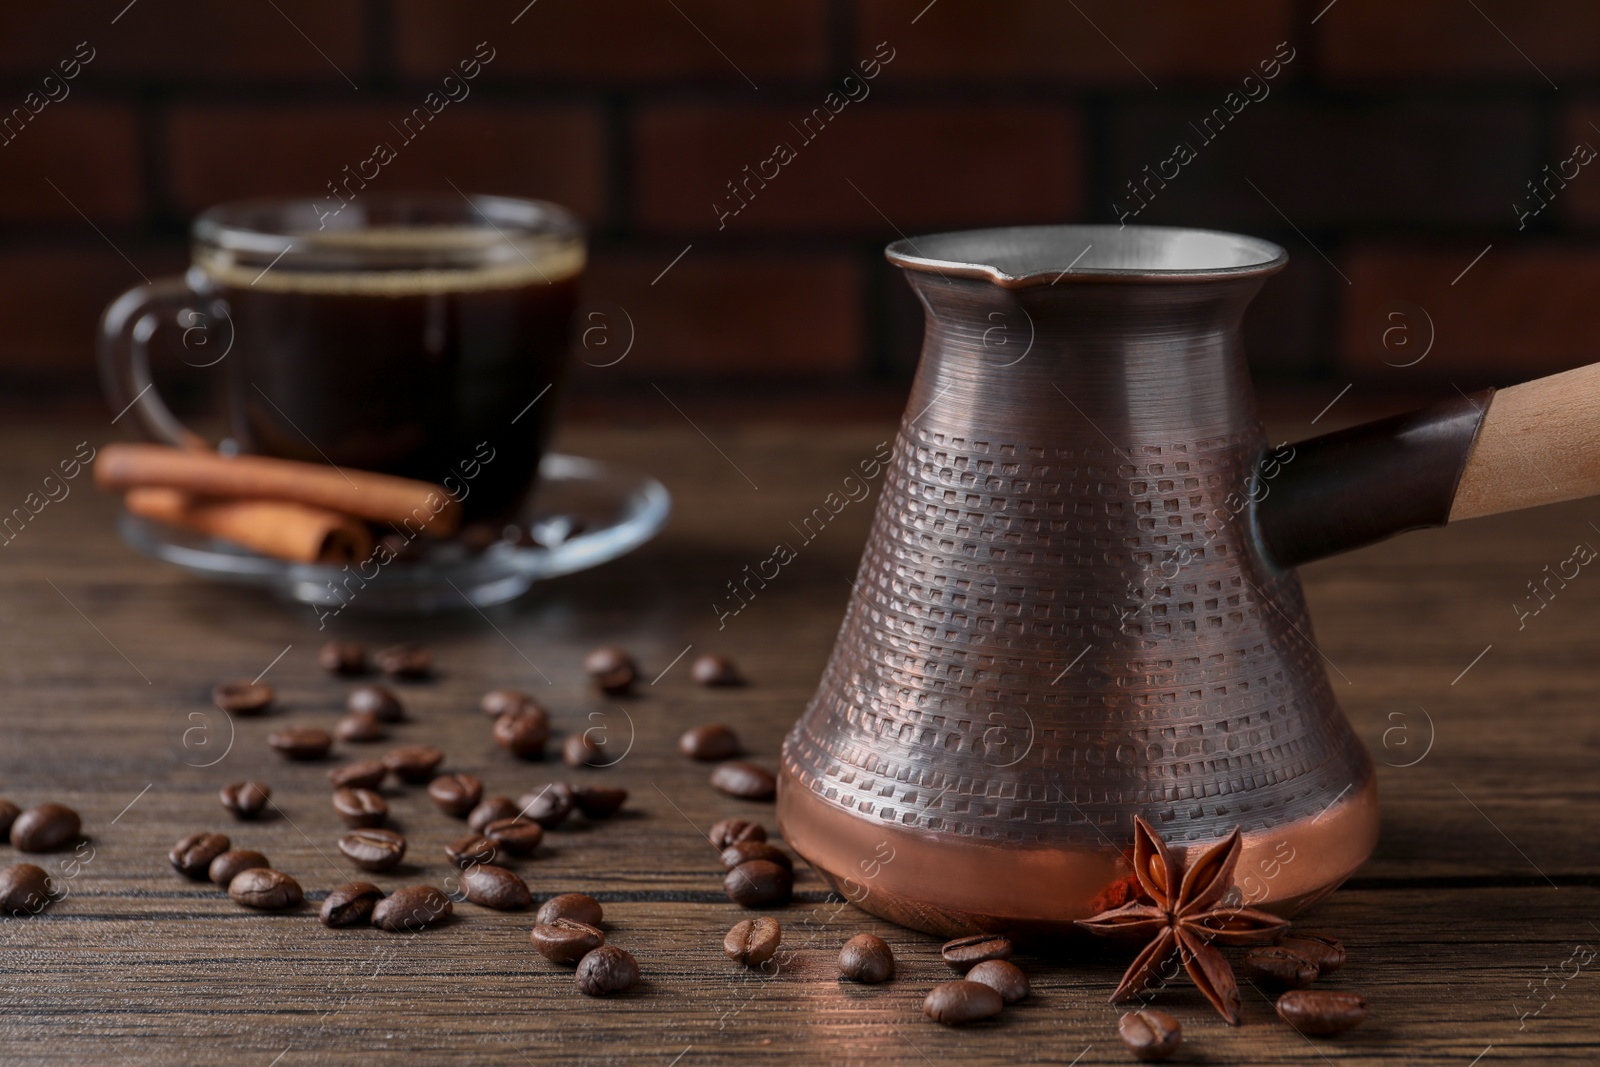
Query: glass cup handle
point(125, 331)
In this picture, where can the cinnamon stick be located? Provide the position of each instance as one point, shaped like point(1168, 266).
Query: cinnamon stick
point(411, 506)
point(276, 528)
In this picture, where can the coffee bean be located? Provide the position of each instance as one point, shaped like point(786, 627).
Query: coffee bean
point(230, 863)
point(759, 883)
point(1149, 1034)
point(413, 763)
point(25, 890)
point(1002, 976)
point(243, 698)
point(612, 669)
point(343, 657)
point(404, 661)
point(566, 940)
point(245, 800)
point(8, 815)
point(958, 1003)
point(45, 828)
point(192, 856)
point(264, 888)
point(747, 781)
point(415, 907)
point(373, 849)
point(599, 801)
point(455, 794)
point(711, 742)
point(360, 807)
point(401, 548)
point(301, 742)
point(474, 848)
point(753, 942)
point(523, 731)
point(608, 969)
point(733, 831)
point(351, 904)
point(496, 702)
point(1321, 1013)
point(492, 809)
point(376, 701)
point(585, 750)
point(745, 851)
point(866, 958)
point(360, 728)
point(1280, 967)
point(964, 953)
point(1326, 952)
point(712, 669)
point(579, 907)
point(515, 836)
point(365, 774)
point(549, 806)
point(495, 887)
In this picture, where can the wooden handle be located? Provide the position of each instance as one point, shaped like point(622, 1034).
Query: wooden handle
point(1539, 444)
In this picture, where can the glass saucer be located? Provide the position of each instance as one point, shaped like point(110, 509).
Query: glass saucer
point(612, 510)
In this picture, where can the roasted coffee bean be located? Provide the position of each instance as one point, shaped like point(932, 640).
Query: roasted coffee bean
point(579, 907)
point(351, 904)
point(373, 849)
point(495, 887)
point(753, 941)
point(566, 940)
point(245, 800)
point(360, 807)
point(712, 669)
point(365, 774)
point(759, 883)
point(710, 742)
point(474, 848)
point(1002, 976)
point(599, 801)
point(376, 701)
point(25, 890)
point(608, 969)
point(492, 809)
point(496, 702)
point(549, 806)
point(264, 888)
point(585, 750)
point(734, 831)
point(404, 661)
point(747, 781)
point(1149, 1034)
point(415, 907)
point(958, 1003)
point(515, 836)
point(413, 763)
point(745, 851)
point(8, 815)
point(866, 958)
point(230, 863)
point(1320, 1012)
point(612, 669)
point(243, 698)
point(343, 657)
point(192, 856)
point(523, 731)
point(301, 742)
point(360, 728)
point(964, 953)
point(45, 828)
point(455, 794)
point(1280, 967)
point(1326, 952)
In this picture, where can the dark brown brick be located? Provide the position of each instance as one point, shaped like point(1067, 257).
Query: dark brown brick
point(616, 41)
point(89, 151)
point(223, 153)
point(875, 167)
point(1425, 40)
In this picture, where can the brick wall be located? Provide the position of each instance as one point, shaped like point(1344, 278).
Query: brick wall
point(1391, 154)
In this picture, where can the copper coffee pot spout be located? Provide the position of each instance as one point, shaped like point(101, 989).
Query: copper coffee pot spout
point(1077, 602)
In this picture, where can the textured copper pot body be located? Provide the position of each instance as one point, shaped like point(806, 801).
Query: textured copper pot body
point(1065, 615)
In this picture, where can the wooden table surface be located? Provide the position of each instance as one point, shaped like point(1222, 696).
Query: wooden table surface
point(1472, 932)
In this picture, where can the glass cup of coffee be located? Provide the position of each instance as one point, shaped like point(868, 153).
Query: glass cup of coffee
point(417, 334)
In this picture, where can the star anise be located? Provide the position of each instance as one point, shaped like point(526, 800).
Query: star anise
point(1181, 914)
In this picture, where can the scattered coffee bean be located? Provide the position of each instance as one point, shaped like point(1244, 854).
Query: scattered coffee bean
point(8, 815)
point(45, 828)
point(455, 794)
point(492, 809)
point(25, 890)
point(599, 801)
point(351, 904)
point(612, 669)
point(608, 969)
point(373, 849)
point(230, 863)
point(579, 907)
point(495, 887)
point(343, 657)
point(712, 669)
point(360, 728)
point(245, 800)
point(413, 763)
point(365, 774)
point(523, 731)
point(733, 831)
point(1149, 1034)
point(759, 883)
point(866, 958)
point(549, 807)
point(747, 781)
point(1326, 952)
point(415, 907)
point(745, 851)
point(964, 953)
point(301, 742)
point(753, 942)
point(585, 750)
point(496, 702)
point(404, 661)
point(958, 1003)
point(515, 836)
point(1320, 1012)
point(243, 698)
point(1002, 976)
point(360, 807)
point(566, 940)
point(1280, 967)
point(376, 701)
point(474, 848)
point(264, 888)
point(192, 856)
point(710, 742)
